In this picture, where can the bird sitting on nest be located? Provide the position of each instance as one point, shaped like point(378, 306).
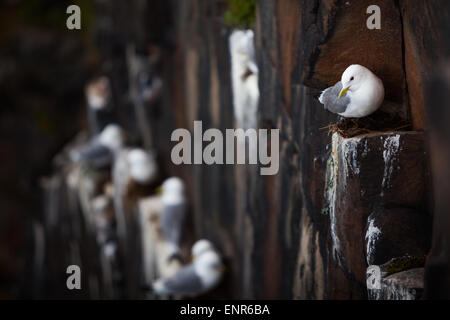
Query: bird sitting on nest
point(359, 93)
point(135, 175)
point(200, 276)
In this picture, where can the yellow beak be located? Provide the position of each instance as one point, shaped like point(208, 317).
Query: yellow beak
point(343, 92)
point(159, 190)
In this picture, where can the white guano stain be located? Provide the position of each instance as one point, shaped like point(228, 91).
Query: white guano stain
point(373, 233)
point(391, 148)
point(349, 149)
point(331, 197)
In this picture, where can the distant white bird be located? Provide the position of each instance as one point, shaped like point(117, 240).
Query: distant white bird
point(143, 167)
point(132, 173)
point(200, 276)
point(157, 258)
point(244, 75)
point(173, 212)
point(358, 94)
point(99, 151)
point(133, 167)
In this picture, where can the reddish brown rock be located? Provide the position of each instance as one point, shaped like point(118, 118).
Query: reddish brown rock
point(395, 232)
point(365, 171)
point(345, 40)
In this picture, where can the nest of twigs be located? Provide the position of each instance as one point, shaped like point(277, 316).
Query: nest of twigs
point(378, 122)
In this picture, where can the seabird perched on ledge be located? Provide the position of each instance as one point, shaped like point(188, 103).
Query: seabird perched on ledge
point(173, 212)
point(196, 278)
point(358, 94)
point(143, 167)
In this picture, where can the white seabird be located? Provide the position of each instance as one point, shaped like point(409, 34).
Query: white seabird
point(359, 93)
point(143, 168)
point(132, 168)
point(173, 212)
point(133, 165)
point(99, 151)
point(244, 76)
point(201, 246)
point(196, 278)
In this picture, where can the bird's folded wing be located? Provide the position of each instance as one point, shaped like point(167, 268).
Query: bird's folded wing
point(185, 282)
point(329, 98)
point(96, 155)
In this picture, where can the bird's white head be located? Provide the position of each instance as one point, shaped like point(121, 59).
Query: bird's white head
point(200, 247)
point(241, 46)
point(143, 168)
point(172, 190)
point(112, 136)
point(209, 268)
point(100, 203)
point(353, 78)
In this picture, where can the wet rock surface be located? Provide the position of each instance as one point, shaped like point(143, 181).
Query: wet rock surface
point(395, 232)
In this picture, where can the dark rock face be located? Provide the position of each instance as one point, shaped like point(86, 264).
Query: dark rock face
point(364, 172)
point(339, 37)
point(425, 37)
point(396, 232)
point(42, 74)
point(437, 279)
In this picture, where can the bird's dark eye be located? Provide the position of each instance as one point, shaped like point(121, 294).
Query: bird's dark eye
point(351, 79)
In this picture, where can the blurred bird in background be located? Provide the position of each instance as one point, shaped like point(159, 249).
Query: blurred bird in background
point(201, 275)
point(99, 151)
point(173, 213)
point(244, 75)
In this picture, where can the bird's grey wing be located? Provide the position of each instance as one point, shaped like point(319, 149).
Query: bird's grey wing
point(185, 282)
point(329, 98)
point(96, 155)
point(172, 219)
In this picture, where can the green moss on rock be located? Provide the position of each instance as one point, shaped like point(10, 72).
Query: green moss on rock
point(402, 263)
point(240, 13)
